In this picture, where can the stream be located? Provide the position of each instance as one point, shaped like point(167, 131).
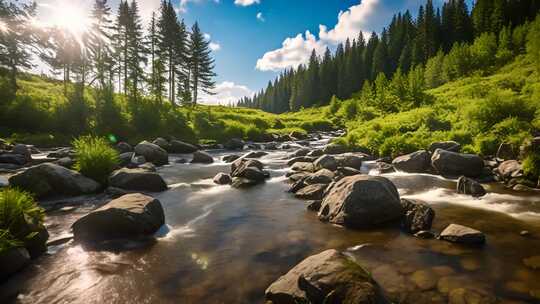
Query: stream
point(226, 245)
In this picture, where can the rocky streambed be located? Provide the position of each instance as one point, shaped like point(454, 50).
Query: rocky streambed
point(282, 222)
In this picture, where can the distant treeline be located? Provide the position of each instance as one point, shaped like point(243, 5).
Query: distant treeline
point(403, 45)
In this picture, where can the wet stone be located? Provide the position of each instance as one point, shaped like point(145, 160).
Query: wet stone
point(532, 262)
point(425, 279)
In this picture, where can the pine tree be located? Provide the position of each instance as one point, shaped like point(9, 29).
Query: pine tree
point(328, 78)
point(380, 57)
point(136, 49)
point(98, 43)
point(201, 64)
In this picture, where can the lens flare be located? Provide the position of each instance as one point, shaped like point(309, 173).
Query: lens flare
point(67, 16)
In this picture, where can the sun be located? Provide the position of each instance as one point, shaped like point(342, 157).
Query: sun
point(68, 16)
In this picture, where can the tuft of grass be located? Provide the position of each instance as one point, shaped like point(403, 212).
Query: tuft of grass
point(19, 216)
point(95, 158)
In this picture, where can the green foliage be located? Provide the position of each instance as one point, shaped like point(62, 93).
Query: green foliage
point(95, 158)
point(533, 42)
point(483, 51)
point(19, 213)
point(531, 166)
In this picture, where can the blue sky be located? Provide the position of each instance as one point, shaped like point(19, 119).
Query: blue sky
point(254, 39)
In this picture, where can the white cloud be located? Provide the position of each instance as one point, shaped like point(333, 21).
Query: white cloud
point(294, 51)
point(184, 3)
point(260, 17)
point(246, 2)
point(214, 46)
point(366, 17)
point(357, 18)
point(226, 92)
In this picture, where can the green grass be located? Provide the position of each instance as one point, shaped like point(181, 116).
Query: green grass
point(480, 112)
point(95, 158)
point(18, 214)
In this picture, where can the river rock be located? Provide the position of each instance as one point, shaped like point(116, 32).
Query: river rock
point(334, 149)
point(177, 146)
point(240, 164)
point(152, 153)
point(124, 147)
point(300, 152)
point(352, 160)
point(201, 157)
point(314, 205)
point(457, 164)
point(51, 179)
point(61, 152)
point(303, 167)
point(465, 296)
point(361, 201)
point(131, 215)
point(311, 192)
point(469, 186)
point(162, 143)
point(255, 154)
point(23, 150)
point(415, 162)
point(461, 234)
point(510, 169)
point(328, 277)
point(222, 179)
point(12, 158)
point(323, 176)
point(297, 185)
point(240, 182)
point(347, 171)
point(295, 135)
point(326, 162)
point(13, 260)
point(68, 162)
point(418, 216)
point(532, 262)
point(125, 158)
point(137, 180)
point(451, 146)
point(148, 167)
point(252, 173)
point(235, 144)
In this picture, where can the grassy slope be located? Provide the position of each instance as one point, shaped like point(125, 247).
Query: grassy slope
point(478, 111)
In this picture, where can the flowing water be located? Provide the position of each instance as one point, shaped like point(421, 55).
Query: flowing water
point(224, 245)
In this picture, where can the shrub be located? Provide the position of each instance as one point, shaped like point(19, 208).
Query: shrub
point(531, 166)
point(95, 158)
point(18, 214)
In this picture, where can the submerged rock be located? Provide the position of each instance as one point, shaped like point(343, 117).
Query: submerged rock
point(201, 157)
point(417, 216)
point(469, 186)
point(416, 162)
point(361, 201)
point(457, 164)
point(129, 216)
point(328, 277)
point(222, 179)
point(152, 153)
point(461, 234)
point(51, 179)
point(137, 180)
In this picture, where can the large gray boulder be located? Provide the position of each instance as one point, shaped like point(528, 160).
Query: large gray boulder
point(241, 164)
point(352, 160)
point(12, 158)
point(303, 167)
point(469, 186)
point(361, 201)
point(334, 149)
point(177, 146)
point(152, 153)
point(201, 157)
point(326, 162)
point(300, 152)
point(305, 159)
point(456, 164)
point(137, 180)
point(461, 234)
point(162, 143)
point(417, 216)
point(131, 215)
point(416, 162)
point(235, 144)
point(328, 277)
point(124, 147)
point(50, 179)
